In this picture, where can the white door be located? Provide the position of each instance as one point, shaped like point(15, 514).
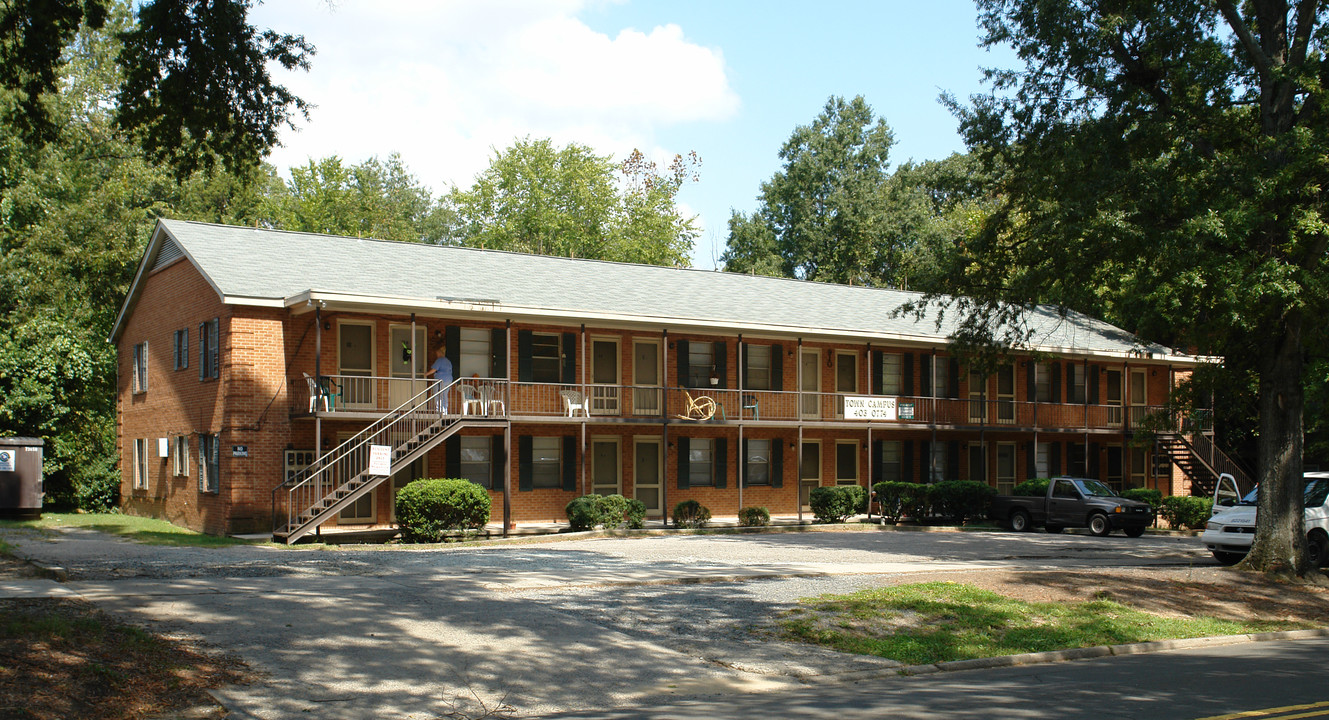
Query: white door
point(604, 377)
point(1138, 396)
point(1114, 397)
point(809, 471)
point(647, 472)
point(810, 383)
point(355, 360)
point(646, 377)
point(606, 473)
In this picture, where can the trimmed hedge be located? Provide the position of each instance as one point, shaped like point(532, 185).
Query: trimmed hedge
point(837, 503)
point(636, 517)
point(753, 517)
point(900, 499)
point(961, 499)
point(428, 510)
point(1038, 487)
point(611, 511)
point(1154, 498)
point(1186, 511)
point(691, 514)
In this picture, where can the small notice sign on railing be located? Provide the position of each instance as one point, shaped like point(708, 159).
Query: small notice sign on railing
point(865, 407)
point(380, 459)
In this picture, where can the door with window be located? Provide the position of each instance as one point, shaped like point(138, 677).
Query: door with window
point(978, 407)
point(1138, 396)
point(364, 509)
point(1006, 394)
point(809, 471)
point(604, 376)
point(846, 379)
point(810, 383)
point(355, 362)
point(647, 472)
point(1113, 397)
point(606, 471)
point(646, 377)
point(407, 364)
point(1005, 468)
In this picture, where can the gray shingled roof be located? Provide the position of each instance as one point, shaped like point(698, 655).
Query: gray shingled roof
point(272, 264)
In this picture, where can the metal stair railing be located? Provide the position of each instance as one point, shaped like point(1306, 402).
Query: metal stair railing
point(1199, 453)
point(341, 475)
point(1218, 462)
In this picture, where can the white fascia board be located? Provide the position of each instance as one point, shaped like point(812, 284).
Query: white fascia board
point(253, 301)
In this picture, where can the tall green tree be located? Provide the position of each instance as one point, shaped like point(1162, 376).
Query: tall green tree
point(570, 201)
point(1166, 164)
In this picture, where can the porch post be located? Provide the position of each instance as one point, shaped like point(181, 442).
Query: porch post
point(318, 377)
point(664, 427)
point(932, 446)
point(507, 477)
point(869, 449)
point(413, 355)
point(798, 413)
point(586, 398)
point(742, 457)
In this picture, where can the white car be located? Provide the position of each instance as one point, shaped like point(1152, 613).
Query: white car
point(1231, 528)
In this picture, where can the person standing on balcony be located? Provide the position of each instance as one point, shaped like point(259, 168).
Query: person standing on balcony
point(441, 371)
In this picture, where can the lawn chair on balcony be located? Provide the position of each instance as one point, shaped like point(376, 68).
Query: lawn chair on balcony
point(573, 401)
point(470, 398)
point(750, 403)
point(700, 409)
point(491, 398)
point(316, 394)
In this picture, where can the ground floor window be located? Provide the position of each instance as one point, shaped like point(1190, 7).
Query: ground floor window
point(477, 461)
point(846, 462)
point(892, 453)
point(141, 464)
point(1075, 460)
point(209, 463)
point(546, 462)
point(180, 456)
point(701, 462)
point(758, 462)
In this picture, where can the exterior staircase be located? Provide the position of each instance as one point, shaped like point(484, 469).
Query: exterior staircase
point(1202, 462)
point(342, 475)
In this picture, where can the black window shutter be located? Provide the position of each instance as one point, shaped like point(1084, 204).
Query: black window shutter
point(683, 470)
point(570, 462)
point(925, 460)
point(721, 367)
point(955, 378)
point(525, 455)
point(743, 465)
point(907, 374)
point(721, 460)
point(1093, 384)
point(569, 358)
point(498, 353)
point(877, 386)
point(452, 338)
point(1054, 459)
point(1055, 372)
point(1070, 381)
point(203, 351)
point(1031, 381)
point(926, 389)
point(743, 366)
point(877, 451)
point(1093, 460)
point(907, 461)
point(952, 460)
point(497, 463)
point(177, 350)
point(524, 372)
point(681, 347)
point(777, 463)
point(452, 457)
point(214, 347)
point(1031, 461)
point(777, 368)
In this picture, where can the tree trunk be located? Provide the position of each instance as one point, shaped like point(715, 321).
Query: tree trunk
point(1280, 536)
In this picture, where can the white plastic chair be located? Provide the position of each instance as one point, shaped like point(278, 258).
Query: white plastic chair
point(574, 401)
point(315, 393)
point(489, 398)
point(470, 397)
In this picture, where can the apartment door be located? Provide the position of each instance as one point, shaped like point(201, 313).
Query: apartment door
point(646, 377)
point(604, 376)
point(1113, 397)
point(1005, 468)
point(978, 407)
point(810, 383)
point(1138, 396)
point(647, 472)
point(363, 510)
point(846, 378)
point(401, 388)
point(1006, 394)
point(355, 362)
point(809, 471)
point(606, 471)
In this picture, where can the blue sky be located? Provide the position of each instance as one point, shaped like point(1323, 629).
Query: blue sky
point(444, 83)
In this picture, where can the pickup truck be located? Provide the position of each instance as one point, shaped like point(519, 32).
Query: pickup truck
point(1073, 502)
point(1231, 528)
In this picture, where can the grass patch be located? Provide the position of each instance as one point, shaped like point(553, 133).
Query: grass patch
point(941, 621)
point(149, 531)
point(67, 659)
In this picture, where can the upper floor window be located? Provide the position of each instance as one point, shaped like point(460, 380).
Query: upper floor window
point(141, 367)
point(890, 374)
point(1043, 385)
point(701, 363)
point(544, 359)
point(1075, 383)
point(758, 368)
point(476, 356)
point(182, 349)
point(208, 350)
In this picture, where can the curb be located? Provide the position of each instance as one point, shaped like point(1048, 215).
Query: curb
point(1097, 651)
point(52, 572)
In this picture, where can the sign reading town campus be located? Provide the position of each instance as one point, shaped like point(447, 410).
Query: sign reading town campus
point(864, 407)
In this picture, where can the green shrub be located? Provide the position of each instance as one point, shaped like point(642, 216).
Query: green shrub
point(428, 510)
point(1154, 498)
point(836, 504)
point(1037, 487)
point(961, 499)
point(636, 514)
point(583, 512)
point(754, 517)
point(898, 499)
point(691, 514)
point(613, 511)
point(1186, 511)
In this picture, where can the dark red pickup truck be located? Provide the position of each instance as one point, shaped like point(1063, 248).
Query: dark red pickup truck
point(1073, 502)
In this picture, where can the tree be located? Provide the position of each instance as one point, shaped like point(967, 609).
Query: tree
point(536, 198)
point(1165, 166)
point(194, 86)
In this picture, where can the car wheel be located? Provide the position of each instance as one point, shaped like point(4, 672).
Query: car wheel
point(1227, 558)
point(1317, 549)
point(1134, 531)
point(1054, 529)
point(1020, 521)
point(1099, 525)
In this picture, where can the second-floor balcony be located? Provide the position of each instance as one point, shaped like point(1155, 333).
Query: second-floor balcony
point(355, 396)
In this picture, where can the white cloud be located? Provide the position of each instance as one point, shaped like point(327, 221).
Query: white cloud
point(443, 83)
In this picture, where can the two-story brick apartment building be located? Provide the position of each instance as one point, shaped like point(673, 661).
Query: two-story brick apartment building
point(258, 367)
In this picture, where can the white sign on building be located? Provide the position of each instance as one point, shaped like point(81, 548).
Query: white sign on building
point(867, 407)
point(380, 459)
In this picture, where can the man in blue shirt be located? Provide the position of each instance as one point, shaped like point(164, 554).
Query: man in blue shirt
point(441, 371)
